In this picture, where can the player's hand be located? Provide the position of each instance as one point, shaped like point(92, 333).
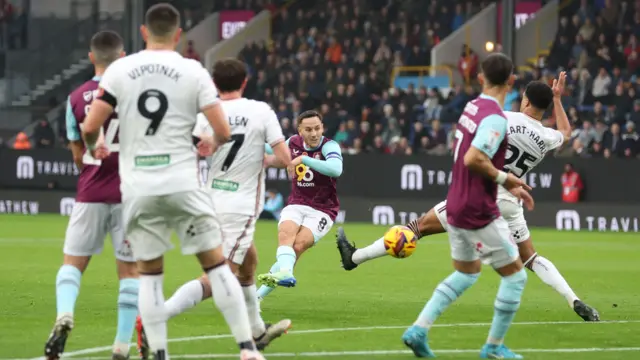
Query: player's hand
point(297, 161)
point(514, 182)
point(101, 152)
point(525, 196)
point(206, 146)
point(558, 84)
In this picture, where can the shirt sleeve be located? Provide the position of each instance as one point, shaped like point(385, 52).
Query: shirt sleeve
point(110, 81)
point(207, 93)
point(269, 151)
point(332, 165)
point(555, 138)
point(273, 131)
point(72, 124)
point(490, 134)
point(202, 126)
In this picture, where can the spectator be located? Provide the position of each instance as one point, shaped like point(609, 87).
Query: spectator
point(468, 64)
point(458, 18)
point(22, 142)
point(587, 30)
point(588, 134)
point(630, 141)
point(601, 85)
point(612, 142)
point(43, 135)
point(342, 135)
point(190, 52)
point(273, 205)
point(379, 146)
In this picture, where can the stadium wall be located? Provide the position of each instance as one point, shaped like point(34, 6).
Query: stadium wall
point(567, 217)
point(536, 34)
point(404, 178)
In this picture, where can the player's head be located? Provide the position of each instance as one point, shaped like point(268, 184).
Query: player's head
point(229, 75)
point(106, 47)
point(161, 25)
point(310, 127)
point(497, 71)
point(537, 98)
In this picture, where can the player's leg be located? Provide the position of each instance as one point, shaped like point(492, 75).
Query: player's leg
point(467, 270)
point(431, 223)
point(290, 220)
point(541, 266)
point(200, 234)
point(150, 237)
point(496, 248)
point(263, 333)
point(84, 237)
point(129, 285)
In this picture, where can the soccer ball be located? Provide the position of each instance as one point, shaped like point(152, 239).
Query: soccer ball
point(400, 242)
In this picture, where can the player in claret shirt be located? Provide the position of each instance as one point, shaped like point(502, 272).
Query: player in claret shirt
point(313, 204)
point(97, 211)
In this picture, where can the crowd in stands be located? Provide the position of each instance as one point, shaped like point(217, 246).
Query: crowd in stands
point(337, 56)
point(13, 25)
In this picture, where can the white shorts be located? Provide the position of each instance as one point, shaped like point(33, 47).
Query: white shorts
point(237, 235)
point(150, 219)
point(315, 220)
point(510, 211)
point(88, 227)
point(492, 244)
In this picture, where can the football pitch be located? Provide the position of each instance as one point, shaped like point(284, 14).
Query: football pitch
point(336, 314)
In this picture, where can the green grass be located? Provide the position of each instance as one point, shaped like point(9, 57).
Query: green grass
point(601, 267)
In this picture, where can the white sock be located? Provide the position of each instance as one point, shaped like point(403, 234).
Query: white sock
point(548, 273)
point(186, 297)
point(152, 311)
point(228, 297)
point(370, 252)
point(253, 309)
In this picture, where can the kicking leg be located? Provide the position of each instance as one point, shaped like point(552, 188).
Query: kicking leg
point(281, 273)
point(430, 223)
point(549, 274)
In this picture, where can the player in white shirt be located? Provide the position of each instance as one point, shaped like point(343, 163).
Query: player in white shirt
point(236, 183)
point(158, 93)
point(529, 142)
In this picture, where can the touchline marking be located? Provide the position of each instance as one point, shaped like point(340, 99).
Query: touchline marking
point(388, 352)
point(99, 349)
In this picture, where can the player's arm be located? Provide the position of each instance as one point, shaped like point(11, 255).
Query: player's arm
point(74, 136)
point(332, 165)
point(484, 147)
point(101, 109)
point(562, 120)
point(210, 106)
point(275, 138)
point(271, 157)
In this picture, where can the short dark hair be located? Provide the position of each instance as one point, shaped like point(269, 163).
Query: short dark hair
point(497, 68)
point(308, 115)
point(229, 74)
point(162, 19)
point(106, 46)
point(539, 94)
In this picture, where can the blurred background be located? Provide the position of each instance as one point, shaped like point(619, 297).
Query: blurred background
point(390, 77)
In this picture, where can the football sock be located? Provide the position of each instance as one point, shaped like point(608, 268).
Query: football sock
point(549, 274)
point(152, 311)
point(228, 297)
point(444, 295)
point(264, 290)
point(127, 311)
point(186, 297)
point(67, 289)
point(286, 257)
point(370, 252)
point(253, 308)
point(506, 305)
point(415, 227)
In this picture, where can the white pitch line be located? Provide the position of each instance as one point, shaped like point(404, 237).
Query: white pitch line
point(99, 349)
point(389, 352)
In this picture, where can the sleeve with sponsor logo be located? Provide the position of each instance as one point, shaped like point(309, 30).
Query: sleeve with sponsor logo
point(490, 134)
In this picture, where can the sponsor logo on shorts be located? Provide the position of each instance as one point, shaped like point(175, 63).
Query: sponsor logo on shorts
point(66, 205)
